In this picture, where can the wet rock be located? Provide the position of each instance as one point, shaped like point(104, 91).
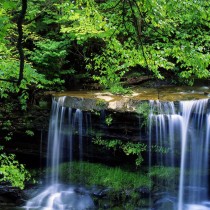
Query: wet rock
point(101, 193)
point(106, 206)
point(164, 200)
point(95, 100)
point(81, 191)
point(11, 196)
point(143, 191)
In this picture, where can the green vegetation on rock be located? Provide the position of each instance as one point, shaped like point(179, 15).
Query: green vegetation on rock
point(97, 174)
point(129, 148)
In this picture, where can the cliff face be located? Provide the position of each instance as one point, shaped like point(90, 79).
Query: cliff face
point(115, 117)
point(22, 131)
point(95, 100)
point(106, 115)
point(26, 133)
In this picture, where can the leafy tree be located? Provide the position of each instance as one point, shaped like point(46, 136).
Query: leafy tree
point(49, 58)
point(11, 170)
point(108, 39)
point(162, 37)
point(175, 28)
point(13, 81)
point(17, 75)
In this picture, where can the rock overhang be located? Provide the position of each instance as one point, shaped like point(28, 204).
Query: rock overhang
point(103, 100)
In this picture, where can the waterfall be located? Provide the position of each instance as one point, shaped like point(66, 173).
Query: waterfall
point(178, 142)
point(184, 131)
point(65, 125)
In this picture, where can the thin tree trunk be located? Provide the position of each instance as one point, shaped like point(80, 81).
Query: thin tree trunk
point(20, 38)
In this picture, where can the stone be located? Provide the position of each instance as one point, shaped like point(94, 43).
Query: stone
point(11, 196)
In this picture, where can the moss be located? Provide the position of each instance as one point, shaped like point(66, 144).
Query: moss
point(143, 110)
point(101, 103)
point(98, 174)
point(164, 177)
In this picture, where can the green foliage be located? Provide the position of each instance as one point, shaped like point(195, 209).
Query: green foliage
point(108, 119)
point(135, 149)
point(7, 126)
point(9, 69)
point(81, 20)
point(174, 37)
point(120, 184)
point(164, 176)
point(29, 133)
point(49, 57)
point(4, 21)
point(8, 137)
point(95, 112)
point(11, 170)
point(108, 64)
point(143, 110)
point(162, 172)
point(106, 40)
point(9, 63)
point(101, 103)
point(128, 148)
point(119, 89)
point(182, 23)
point(98, 174)
point(109, 144)
point(49, 52)
point(116, 59)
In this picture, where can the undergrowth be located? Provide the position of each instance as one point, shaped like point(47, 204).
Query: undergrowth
point(97, 174)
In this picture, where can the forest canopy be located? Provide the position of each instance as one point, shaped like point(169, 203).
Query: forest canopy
point(65, 42)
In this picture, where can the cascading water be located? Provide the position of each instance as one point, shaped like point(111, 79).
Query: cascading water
point(64, 123)
point(194, 127)
point(184, 131)
point(179, 131)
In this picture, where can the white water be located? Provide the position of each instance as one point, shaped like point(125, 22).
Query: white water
point(64, 123)
point(185, 131)
point(59, 197)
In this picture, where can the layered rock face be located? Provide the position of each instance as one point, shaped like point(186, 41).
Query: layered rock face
point(108, 116)
point(95, 100)
point(111, 116)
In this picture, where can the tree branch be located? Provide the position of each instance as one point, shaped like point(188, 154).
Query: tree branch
point(9, 80)
point(138, 30)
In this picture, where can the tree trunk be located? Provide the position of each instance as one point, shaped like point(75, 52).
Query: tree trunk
point(20, 38)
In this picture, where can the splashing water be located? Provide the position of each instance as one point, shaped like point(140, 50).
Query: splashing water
point(64, 123)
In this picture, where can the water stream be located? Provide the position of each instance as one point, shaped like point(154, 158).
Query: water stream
point(64, 123)
point(183, 129)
